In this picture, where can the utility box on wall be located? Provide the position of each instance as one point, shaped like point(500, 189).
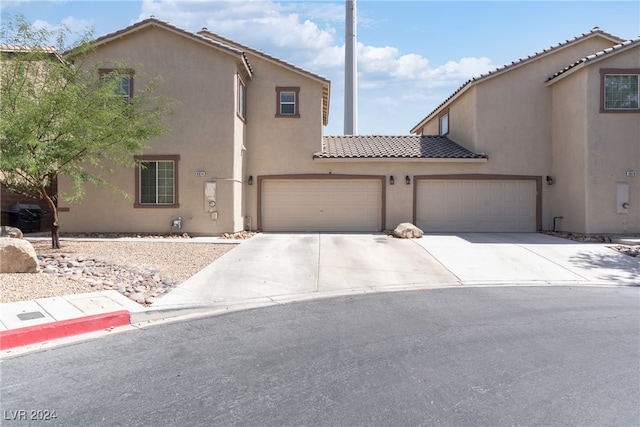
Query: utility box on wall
point(622, 202)
point(210, 197)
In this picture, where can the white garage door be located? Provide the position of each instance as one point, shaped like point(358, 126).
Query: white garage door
point(476, 205)
point(321, 205)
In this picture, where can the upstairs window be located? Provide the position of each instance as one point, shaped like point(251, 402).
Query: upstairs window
point(242, 99)
point(443, 123)
point(124, 87)
point(156, 181)
point(288, 101)
point(620, 90)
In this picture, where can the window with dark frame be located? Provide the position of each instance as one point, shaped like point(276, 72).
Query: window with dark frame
point(125, 84)
point(288, 101)
point(620, 90)
point(242, 99)
point(156, 181)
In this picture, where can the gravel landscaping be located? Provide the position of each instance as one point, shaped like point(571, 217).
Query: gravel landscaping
point(143, 270)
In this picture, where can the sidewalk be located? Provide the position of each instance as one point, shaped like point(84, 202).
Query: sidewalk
point(37, 321)
point(28, 322)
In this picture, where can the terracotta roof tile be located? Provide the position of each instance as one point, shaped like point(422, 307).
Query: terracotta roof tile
point(597, 55)
point(388, 146)
point(157, 22)
point(513, 64)
point(22, 48)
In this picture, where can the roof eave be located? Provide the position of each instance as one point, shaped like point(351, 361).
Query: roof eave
point(153, 22)
point(508, 67)
point(400, 159)
point(326, 83)
point(586, 62)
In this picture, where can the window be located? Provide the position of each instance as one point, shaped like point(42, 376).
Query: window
point(157, 181)
point(288, 102)
point(443, 122)
point(242, 99)
point(125, 81)
point(620, 90)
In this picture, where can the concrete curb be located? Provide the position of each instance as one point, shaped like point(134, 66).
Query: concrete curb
point(61, 329)
point(43, 332)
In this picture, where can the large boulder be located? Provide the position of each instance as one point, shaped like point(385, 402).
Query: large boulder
point(406, 230)
point(7, 231)
point(17, 256)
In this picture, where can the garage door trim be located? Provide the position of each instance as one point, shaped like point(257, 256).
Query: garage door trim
point(381, 178)
point(480, 177)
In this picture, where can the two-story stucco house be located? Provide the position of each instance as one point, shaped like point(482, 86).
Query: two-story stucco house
point(240, 113)
point(508, 151)
point(569, 115)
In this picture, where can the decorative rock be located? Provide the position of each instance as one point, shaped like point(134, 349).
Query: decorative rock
point(406, 230)
point(13, 232)
point(17, 256)
point(134, 282)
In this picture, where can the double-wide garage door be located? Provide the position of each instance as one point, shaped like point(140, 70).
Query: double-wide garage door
point(476, 205)
point(321, 205)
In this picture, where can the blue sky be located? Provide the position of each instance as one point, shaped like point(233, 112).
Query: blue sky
point(411, 56)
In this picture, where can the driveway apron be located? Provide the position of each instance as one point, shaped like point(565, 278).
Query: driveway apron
point(358, 261)
point(280, 267)
point(276, 265)
point(513, 258)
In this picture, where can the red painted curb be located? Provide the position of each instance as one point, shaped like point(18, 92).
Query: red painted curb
point(64, 328)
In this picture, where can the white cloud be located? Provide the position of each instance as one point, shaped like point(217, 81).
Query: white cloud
point(72, 28)
point(310, 35)
point(8, 4)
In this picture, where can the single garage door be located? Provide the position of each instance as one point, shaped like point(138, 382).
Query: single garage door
point(476, 205)
point(321, 205)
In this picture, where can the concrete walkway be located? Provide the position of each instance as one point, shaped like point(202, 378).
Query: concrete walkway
point(277, 268)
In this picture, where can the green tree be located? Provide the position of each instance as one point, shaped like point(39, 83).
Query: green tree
point(62, 117)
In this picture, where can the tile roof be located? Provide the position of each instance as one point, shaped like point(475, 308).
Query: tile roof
point(521, 61)
point(611, 50)
point(23, 48)
point(157, 22)
point(392, 147)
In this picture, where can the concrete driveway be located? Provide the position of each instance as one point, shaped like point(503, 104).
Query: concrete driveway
point(284, 267)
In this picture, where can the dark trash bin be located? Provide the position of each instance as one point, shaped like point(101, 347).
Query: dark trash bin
point(25, 217)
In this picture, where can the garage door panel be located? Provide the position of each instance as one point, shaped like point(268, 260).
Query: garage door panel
point(321, 205)
point(476, 205)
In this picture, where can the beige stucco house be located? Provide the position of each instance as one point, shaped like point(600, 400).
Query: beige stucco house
point(247, 150)
point(567, 117)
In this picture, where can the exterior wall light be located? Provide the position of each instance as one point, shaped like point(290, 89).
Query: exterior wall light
point(550, 180)
point(250, 180)
point(392, 180)
point(407, 180)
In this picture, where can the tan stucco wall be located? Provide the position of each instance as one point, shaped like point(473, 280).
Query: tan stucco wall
point(511, 121)
point(204, 127)
point(613, 145)
point(279, 145)
point(568, 165)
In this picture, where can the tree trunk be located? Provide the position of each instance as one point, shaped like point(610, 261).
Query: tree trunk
point(55, 226)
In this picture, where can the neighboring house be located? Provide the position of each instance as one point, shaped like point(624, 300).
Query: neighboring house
point(246, 151)
point(567, 118)
point(9, 198)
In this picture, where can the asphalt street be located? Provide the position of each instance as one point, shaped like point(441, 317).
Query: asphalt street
point(457, 357)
